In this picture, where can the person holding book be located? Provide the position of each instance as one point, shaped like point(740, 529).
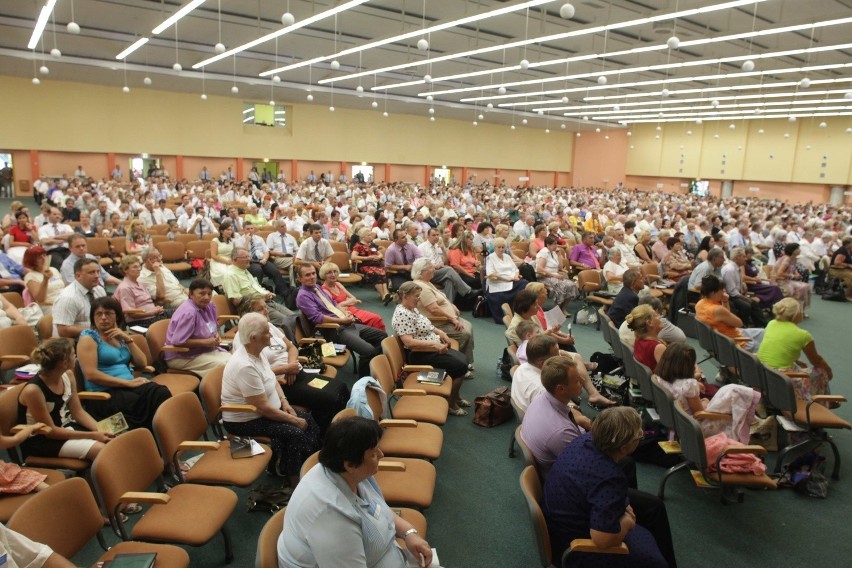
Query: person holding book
point(50, 398)
point(324, 396)
point(337, 515)
point(432, 345)
point(105, 352)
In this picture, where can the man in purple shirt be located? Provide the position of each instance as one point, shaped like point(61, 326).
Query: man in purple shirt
point(584, 256)
point(399, 257)
point(318, 307)
point(549, 423)
point(194, 325)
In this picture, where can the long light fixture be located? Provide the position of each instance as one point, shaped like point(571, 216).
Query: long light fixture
point(720, 109)
point(270, 36)
point(725, 115)
point(670, 80)
point(643, 69)
point(171, 20)
point(620, 53)
point(554, 37)
point(753, 117)
point(43, 16)
point(136, 45)
point(714, 89)
point(416, 33)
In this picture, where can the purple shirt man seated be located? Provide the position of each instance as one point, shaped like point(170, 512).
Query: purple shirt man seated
point(584, 255)
point(399, 257)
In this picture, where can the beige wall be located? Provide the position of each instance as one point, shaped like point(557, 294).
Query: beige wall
point(600, 158)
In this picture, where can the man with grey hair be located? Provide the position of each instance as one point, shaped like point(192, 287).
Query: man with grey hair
point(162, 284)
point(433, 250)
point(240, 283)
point(747, 308)
point(713, 265)
point(282, 247)
point(670, 333)
point(628, 257)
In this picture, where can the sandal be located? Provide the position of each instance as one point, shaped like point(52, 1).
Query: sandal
point(132, 509)
point(464, 403)
point(458, 412)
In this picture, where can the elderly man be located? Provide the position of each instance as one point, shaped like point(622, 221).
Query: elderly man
point(54, 237)
point(551, 422)
point(196, 224)
point(315, 250)
point(628, 257)
point(239, 283)
point(523, 228)
point(260, 255)
point(73, 305)
point(433, 250)
point(713, 265)
point(747, 308)
point(318, 307)
point(526, 382)
point(80, 249)
point(282, 247)
point(162, 284)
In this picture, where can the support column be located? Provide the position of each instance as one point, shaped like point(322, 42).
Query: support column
point(497, 176)
point(294, 170)
point(239, 173)
point(427, 177)
point(464, 176)
point(110, 165)
point(727, 189)
point(344, 169)
point(178, 167)
point(837, 195)
point(555, 180)
point(387, 173)
point(528, 174)
point(35, 171)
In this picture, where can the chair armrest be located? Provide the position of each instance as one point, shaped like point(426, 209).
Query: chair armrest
point(419, 349)
point(756, 450)
point(828, 398)
point(391, 466)
point(94, 395)
point(588, 545)
point(148, 369)
point(327, 326)
point(44, 430)
point(175, 349)
point(409, 392)
point(238, 408)
point(227, 318)
point(438, 319)
point(704, 415)
point(398, 422)
point(309, 340)
point(198, 446)
point(795, 374)
point(21, 358)
point(417, 368)
point(133, 312)
point(144, 497)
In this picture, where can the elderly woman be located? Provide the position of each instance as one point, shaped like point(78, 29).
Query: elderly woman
point(105, 352)
point(783, 344)
point(370, 259)
point(220, 253)
point(428, 345)
point(435, 304)
point(282, 356)
point(195, 325)
point(643, 248)
point(614, 270)
point(85, 227)
point(537, 241)
point(337, 515)
point(43, 282)
point(328, 273)
point(790, 279)
point(248, 378)
point(548, 268)
point(769, 294)
point(503, 281)
point(382, 229)
point(463, 259)
point(676, 264)
point(136, 302)
point(660, 248)
point(587, 494)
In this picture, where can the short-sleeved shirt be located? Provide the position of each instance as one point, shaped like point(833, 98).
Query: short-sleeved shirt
point(413, 323)
point(54, 286)
point(72, 306)
point(548, 427)
point(174, 289)
point(622, 305)
point(643, 350)
point(246, 375)
point(308, 248)
point(133, 296)
point(526, 385)
point(429, 295)
point(191, 322)
point(239, 283)
point(20, 551)
point(782, 344)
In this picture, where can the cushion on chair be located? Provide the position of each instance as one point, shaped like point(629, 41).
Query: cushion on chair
point(432, 409)
point(414, 487)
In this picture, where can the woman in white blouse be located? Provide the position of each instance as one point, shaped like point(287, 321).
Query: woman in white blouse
point(503, 281)
point(614, 271)
point(548, 268)
point(43, 282)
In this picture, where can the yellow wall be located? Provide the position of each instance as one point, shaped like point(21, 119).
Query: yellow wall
point(77, 117)
point(714, 151)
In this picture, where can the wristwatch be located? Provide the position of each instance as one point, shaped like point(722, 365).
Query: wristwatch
point(412, 530)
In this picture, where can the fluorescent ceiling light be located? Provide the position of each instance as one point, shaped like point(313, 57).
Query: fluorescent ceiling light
point(720, 109)
point(411, 34)
point(754, 117)
point(732, 114)
point(46, 10)
point(629, 70)
point(136, 45)
point(270, 36)
point(177, 16)
point(714, 89)
point(552, 37)
point(248, 119)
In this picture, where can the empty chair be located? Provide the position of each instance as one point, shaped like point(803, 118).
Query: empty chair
point(589, 282)
point(16, 344)
point(186, 513)
point(174, 256)
point(65, 517)
point(749, 367)
point(706, 340)
point(342, 260)
point(178, 425)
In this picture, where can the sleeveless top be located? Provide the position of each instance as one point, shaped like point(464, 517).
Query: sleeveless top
point(114, 361)
point(57, 404)
point(704, 312)
point(643, 351)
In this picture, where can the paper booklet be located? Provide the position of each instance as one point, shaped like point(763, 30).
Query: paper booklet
point(115, 424)
point(411, 562)
point(432, 377)
point(245, 448)
point(554, 317)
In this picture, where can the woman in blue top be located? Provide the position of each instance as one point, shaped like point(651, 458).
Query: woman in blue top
point(105, 352)
point(337, 515)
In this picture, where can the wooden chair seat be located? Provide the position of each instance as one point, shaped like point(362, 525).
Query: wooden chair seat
point(57, 463)
point(178, 266)
point(748, 480)
point(168, 556)
point(432, 409)
point(177, 383)
point(217, 467)
point(413, 487)
point(821, 417)
point(442, 390)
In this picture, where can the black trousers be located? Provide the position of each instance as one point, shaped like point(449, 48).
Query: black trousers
point(271, 270)
point(364, 340)
point(398, 279)
point(750, 312)
point(323, 403)
point(453, 362)
point(651, 514)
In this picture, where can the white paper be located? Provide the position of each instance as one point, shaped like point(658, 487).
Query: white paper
point(256, 448)
point(138, 329)
point(554, 317)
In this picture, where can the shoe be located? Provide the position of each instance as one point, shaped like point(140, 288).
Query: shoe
point(464, 403)
point(468, 376)
point(386, 300)
point(470, 367)
point(133, 509)
point(458, 412)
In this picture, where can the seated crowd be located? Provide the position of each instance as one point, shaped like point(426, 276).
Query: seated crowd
point(274, 258)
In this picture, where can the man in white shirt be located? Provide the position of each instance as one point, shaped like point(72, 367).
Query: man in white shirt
point(747, 308)
point(163, 214)
point(628, 257)
point(314, 250)
point(433, 249)
point(282, 248)
point(196, 224)
point(80, 249)
point(18, 551)
point(526, 382)
point(260, 265)
point(73, 305)
point(523, 228)
point(54, 237)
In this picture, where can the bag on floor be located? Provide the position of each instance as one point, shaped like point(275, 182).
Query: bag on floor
point(493, 408)
point(504, 365)
point(481, 308)
point(835, 291)
point(268, 498)
point(607, 363)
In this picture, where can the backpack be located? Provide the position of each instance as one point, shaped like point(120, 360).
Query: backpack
point(835, 291)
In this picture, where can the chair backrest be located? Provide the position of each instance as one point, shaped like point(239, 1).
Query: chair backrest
point(531, 488)
point(142, 344)
point(211, 397)
point(529, 458)
point(644, 378)
point(17, 340)
point(519, 414)
point(339, 246)
point(652, 269)
point(705, 337)
point(130, 462)
point(267, 543)
point(198, 248)
point(171, 250)
point(157, 337)
point(98, 246)
point(310, 462)
point(158, 229)
point(118, 245)
point(691, 438)
point(341, 259)
point(179, 418)
point(750, 368)
point(391, 348)
point(45, 327)
point(778, 390)
point(589, 280)
point(14, 298)
point(158, 238)
point(186, 238)
point(631, 365)
point(663, 402)
point(223, 306)
point(9, 409)
point(65, 517)
point(725, 353)
point(380, 369)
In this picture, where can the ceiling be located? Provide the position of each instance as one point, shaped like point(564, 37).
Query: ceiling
point(634, 88)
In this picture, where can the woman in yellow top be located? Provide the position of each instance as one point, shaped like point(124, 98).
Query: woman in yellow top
point(783, 346)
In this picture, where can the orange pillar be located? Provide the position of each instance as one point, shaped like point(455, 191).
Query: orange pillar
point(387, 173)
point(344, 167)
point(497, 177)
point(464, 176)
point(239, 172)
point(110, 164)
point(426, 175)
point(527, 184)
point(178, 167)
point(294, 170)
point(555, 179)
point(34, 168)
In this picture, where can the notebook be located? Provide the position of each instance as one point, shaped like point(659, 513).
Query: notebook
point(431, 377)
point(115, 424)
